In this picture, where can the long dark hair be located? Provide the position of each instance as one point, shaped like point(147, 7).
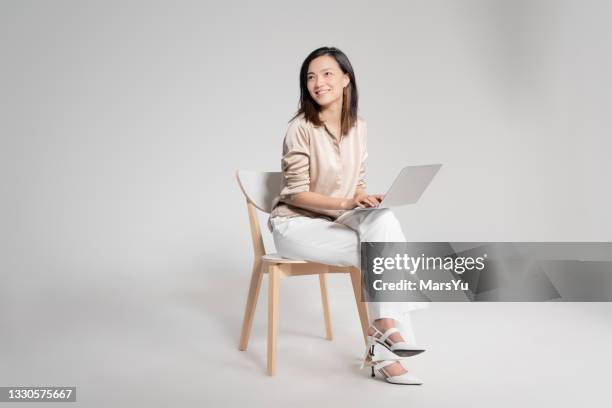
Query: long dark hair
point(311, 109)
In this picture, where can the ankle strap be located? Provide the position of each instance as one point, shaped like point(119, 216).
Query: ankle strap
point(386, 335)
point(381, 366)
point(376, 331)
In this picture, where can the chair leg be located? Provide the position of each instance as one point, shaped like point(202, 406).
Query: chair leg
point(326, 315)
point(361, 306)
point(251, 304)
point(273, 284)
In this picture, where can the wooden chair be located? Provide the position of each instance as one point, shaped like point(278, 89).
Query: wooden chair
point(260, 189)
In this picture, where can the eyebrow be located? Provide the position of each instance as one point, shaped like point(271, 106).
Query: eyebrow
point(324, 69)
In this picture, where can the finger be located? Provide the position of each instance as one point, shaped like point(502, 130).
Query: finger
point(358, 204)
point(372, 200)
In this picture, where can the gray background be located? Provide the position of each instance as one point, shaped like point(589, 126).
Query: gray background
point(125, 250)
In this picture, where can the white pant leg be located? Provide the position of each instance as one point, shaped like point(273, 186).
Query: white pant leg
point(381, 225)
point(338, 243)
point(316, 240)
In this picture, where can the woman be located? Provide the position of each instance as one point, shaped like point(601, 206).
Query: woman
point(323, 168)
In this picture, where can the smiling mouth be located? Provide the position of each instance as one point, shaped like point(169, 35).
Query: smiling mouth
point(322, 92)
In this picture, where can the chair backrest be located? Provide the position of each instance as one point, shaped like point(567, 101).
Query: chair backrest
point(260, 189)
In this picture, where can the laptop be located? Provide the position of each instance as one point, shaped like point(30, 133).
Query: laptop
point(408, 186)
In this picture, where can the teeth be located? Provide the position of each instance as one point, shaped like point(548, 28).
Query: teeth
point(322, 92)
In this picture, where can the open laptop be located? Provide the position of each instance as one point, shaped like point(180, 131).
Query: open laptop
point(408, 186)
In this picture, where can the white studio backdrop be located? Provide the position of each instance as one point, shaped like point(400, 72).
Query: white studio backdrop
point(122, 124)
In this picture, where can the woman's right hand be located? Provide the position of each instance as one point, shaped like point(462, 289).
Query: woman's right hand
point(362, 201)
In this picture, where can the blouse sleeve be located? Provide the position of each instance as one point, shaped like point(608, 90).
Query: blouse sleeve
point(364, 155)
point(295, 163)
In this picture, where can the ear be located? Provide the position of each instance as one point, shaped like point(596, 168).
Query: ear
point(345, 81)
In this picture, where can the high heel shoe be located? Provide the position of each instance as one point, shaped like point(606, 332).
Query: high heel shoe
point(400, 348)
point(403, 379)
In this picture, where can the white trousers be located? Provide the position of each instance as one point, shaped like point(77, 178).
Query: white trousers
point(338, 243)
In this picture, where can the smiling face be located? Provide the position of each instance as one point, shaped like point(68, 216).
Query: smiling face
point(326, 81)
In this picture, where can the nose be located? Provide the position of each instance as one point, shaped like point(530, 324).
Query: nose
point(318, 81)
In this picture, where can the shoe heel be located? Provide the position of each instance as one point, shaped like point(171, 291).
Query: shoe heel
point(372, 356)
point(367, 359)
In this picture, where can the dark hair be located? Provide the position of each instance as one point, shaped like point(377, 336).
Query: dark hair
point(311, 109)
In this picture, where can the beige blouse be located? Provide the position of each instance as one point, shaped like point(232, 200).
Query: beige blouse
point(314, 160)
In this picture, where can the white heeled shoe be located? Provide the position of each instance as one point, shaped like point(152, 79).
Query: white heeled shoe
point(400, 348)
point(403, 379)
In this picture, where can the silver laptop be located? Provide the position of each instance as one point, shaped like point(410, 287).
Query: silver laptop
point(408, 186)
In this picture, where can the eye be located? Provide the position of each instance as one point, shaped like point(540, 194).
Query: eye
point(328, 73)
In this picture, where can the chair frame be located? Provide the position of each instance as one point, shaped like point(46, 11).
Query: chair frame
point(280, 268)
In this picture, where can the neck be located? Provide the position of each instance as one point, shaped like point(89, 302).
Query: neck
point(331, 113)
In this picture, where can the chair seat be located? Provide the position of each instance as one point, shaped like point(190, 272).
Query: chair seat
point(279, 259)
